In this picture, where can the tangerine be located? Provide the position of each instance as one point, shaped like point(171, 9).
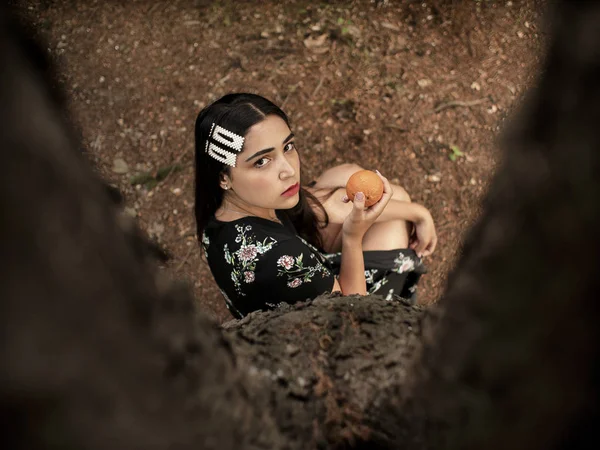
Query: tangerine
point(367, 182)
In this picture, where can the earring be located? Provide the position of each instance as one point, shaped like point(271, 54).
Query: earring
point(226, 188)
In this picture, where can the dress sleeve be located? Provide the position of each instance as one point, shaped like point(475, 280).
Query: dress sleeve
point(287, 272)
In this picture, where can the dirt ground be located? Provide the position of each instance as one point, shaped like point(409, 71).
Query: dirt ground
point(414, 89)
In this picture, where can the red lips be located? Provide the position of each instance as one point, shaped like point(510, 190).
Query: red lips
point(292, 190)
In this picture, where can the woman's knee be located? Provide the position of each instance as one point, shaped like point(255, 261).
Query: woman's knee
point(338, 175)
point(399, 193)
point(348, 168)
point(387, 235)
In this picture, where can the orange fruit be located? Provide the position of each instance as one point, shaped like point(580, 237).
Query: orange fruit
point(367, 182)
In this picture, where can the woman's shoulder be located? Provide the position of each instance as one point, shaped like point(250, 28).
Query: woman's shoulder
point(245, 231)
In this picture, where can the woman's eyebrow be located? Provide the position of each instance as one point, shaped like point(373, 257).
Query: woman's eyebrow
point(270, 149)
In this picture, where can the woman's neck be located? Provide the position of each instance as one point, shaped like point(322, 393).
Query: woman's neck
point(229, 211)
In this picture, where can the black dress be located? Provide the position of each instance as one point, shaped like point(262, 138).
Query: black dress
point(259, 264)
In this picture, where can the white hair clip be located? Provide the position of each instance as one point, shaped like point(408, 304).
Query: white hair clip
point(220, 142)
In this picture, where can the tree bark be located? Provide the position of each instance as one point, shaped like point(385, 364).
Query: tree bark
point(97, 350)
point(324, 362)
point(512, 358)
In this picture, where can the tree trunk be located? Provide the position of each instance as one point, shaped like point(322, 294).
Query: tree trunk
point(97, 351)
point(324, 362)
point(512, 358)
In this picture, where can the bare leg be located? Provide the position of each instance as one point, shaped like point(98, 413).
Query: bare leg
point(388, 235)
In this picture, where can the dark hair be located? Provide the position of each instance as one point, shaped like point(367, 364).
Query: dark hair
point(238, 113)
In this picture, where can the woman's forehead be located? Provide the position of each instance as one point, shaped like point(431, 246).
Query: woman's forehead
point(269, 132)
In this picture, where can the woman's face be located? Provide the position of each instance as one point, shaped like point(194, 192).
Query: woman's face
point(267, 172)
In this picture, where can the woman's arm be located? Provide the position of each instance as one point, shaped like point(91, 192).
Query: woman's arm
point(352, 268)
point(338, 209)
point(424, 238)
point(408, 211)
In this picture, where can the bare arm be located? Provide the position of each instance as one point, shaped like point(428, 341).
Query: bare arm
point(338, 209)
point(352, 269)
point(423, 241)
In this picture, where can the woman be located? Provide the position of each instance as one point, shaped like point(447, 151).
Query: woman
point(263, 234)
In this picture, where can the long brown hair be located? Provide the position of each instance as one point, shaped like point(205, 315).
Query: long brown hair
point(237, 113)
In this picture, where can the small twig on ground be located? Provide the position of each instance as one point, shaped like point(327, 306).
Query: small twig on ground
point(152, 8)
point(152, 178)
point(292, 90)
point(458, 103)
point(331, 58)
point(318, 86)
point(185, 259)
point(395, 127)
point(224, 79)
point(177, 161)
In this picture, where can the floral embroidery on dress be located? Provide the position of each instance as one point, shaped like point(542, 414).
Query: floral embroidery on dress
point(276, 305)
point(286, 262)
point(295, 283)
point(320, 257)
point(244, 258)
point(403, 263)
point(230, 305)
point(369, 274)
point(205, 244)
point(332, 256)
point(377, 284)
point(370, 280)
point(297, 272)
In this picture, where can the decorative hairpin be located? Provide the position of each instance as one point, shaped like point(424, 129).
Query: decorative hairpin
point(220, 141)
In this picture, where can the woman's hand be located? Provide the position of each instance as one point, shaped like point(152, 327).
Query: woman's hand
point(424, 239)
point(360, 218)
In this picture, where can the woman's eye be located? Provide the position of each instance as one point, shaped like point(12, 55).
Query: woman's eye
point(261, 162)
point(289, 146)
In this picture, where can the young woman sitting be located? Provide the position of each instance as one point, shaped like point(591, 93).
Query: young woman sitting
point(269, 240)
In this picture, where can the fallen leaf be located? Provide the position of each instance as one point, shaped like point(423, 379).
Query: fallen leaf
point(492, 109)
point(120, 166)
point(353, 31)
point(314, 42)
point(390, 26)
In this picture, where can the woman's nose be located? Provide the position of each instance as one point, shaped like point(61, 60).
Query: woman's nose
point(287, 169)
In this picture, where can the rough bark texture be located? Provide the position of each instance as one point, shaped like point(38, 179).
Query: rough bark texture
point(96, 351)
point(324, 362)
point(99, 352)
point(513, 360)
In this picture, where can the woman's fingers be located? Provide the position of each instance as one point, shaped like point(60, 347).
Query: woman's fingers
point(420, 248)
point(387, 187)
point(433, 244)
point(359, 201)
point(429, 248)
point(378, 207)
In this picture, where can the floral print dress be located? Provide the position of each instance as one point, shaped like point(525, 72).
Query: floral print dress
point(259, 264)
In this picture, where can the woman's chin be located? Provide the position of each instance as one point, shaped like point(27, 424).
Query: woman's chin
point(290, 202)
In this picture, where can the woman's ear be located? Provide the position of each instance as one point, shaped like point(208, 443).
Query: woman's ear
point(224, 182)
